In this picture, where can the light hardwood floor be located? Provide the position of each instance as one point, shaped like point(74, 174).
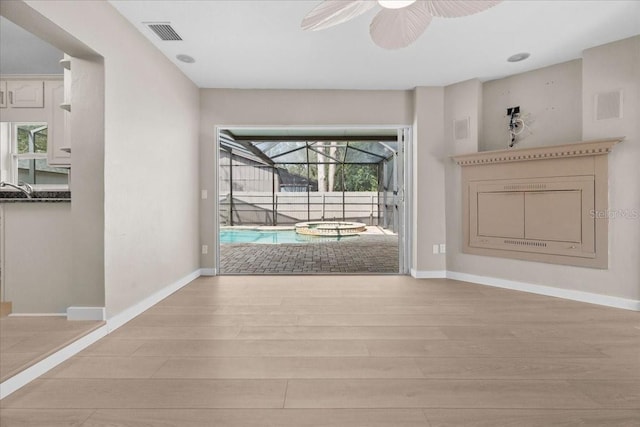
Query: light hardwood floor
point(24, 341)
point(348, 351)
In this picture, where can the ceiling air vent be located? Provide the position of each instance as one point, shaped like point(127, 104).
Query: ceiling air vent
point(163, 30)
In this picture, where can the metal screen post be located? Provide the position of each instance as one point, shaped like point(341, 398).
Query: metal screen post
point(274, 221)
point(344, 185)
point(230, 188)
point(380, 172)
point(308, 191)
point(371, 215)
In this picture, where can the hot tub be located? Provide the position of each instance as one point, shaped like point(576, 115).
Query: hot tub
point(330, 228)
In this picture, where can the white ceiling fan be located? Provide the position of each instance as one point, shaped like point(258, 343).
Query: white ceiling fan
point(399, 23)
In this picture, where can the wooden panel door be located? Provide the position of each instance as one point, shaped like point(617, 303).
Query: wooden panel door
point(554, 216)
point(501, 214)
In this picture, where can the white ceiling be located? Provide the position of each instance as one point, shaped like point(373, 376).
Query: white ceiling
point(23, 53)
point(259, 44)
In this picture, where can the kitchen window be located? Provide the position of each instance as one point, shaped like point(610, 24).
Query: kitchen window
point(24, 152)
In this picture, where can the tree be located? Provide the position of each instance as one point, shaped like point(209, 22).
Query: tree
point(357, 177)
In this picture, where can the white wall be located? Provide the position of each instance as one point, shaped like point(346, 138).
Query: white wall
point(150, 184)
point(229, 107)
point(604, 68)
point(551, 99)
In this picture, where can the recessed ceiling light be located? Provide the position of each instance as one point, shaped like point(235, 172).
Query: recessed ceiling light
point(518, 57)
point(185, 58)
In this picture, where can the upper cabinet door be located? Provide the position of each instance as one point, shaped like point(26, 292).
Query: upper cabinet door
point(3, 94)
point(25, 94)
point(58, 121)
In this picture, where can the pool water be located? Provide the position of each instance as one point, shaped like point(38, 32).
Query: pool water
point(269, 237)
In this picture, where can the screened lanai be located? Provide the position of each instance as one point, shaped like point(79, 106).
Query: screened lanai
point(270, 182)
point(280, 180)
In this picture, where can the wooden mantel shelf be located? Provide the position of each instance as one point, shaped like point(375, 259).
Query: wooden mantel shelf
point(577, 149)
point(543, 211)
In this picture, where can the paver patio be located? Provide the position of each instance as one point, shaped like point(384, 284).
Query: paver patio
point(359, 254)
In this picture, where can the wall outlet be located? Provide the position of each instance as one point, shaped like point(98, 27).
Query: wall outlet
point(443, 248)
point(204, 194)
point(436, 249)
point(205, 249)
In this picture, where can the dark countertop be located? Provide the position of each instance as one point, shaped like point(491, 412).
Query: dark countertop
point(10, 196)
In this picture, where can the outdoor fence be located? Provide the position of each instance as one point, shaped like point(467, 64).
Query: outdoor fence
point(285, 208)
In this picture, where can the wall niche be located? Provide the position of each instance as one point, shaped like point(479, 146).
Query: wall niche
point(539, 204)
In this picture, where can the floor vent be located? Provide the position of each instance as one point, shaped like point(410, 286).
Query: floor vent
point(163, 30)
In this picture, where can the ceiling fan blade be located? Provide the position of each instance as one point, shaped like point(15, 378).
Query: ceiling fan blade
point(457, 8)
point(334, 12)
point(398, 28)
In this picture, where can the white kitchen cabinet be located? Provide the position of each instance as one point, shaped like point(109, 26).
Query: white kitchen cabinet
point(58, 143)
point(25, 93)
point(3, 94)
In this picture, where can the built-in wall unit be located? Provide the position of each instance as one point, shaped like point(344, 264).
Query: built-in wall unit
point(538, 204)
point(542, 182)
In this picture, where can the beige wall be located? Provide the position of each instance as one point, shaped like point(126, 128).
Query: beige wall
point(550, 96)
point(228, 107)
point(463, 100)
point(429, 159)
point(37, 256)
point(604, 68)
point(138, 197)
point(142, 199)
point(87, 126)
point(616, 66)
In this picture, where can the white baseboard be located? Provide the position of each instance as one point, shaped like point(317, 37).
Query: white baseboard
point(31, 373)
point(37, 314)
point(124, 316)
point(23, 378)
point(428, 274)
point(86, 313)
point(208, 272)
point(609, 301)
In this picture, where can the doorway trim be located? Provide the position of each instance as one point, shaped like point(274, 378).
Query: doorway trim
point(405, 236)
